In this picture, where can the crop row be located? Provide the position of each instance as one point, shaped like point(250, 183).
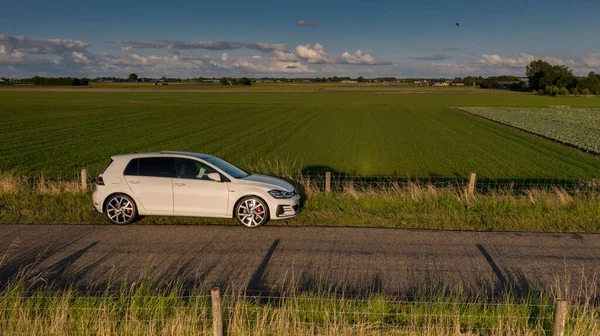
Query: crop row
point(579, 127)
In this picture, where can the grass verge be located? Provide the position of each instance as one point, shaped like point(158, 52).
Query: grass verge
point(140, 309)
point(412, 206)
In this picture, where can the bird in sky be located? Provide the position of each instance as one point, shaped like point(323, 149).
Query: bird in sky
point(458, 24)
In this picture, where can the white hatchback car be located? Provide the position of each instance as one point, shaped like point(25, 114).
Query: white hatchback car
point(190, 184)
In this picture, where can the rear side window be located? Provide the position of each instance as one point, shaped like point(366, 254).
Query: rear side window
point(132, 168)
point(156, 166)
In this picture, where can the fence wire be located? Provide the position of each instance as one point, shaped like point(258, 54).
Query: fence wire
point(482, 184)
point(318, 313)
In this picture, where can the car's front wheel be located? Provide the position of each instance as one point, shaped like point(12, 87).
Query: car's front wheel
point(252, 212)
point(120, 209)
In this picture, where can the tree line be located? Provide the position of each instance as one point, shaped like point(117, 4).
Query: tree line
point(56, 81)
point(543, 78)
point(555, 80)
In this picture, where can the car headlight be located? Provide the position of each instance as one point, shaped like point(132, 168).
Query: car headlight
point(282, 194)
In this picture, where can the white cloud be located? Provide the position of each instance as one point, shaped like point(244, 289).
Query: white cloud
point(63, 57)
point(357, 58)
point(33, 46)
point(79, 57)
point(206, 45)
point(316, 54)
point(285, 56)
point(313, 54)
point(521, 61)
point(591, 60)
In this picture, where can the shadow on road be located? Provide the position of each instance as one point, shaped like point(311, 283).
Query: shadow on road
point(274, 262)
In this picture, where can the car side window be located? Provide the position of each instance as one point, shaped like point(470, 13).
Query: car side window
point(132, 168)
point(192, 169)
point(156, 167)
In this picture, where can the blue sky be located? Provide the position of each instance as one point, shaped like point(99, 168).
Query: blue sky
point(380, 37)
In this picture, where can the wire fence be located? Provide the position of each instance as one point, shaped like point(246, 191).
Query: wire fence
point(484, 185)
point(339, 182)
point(313, 313)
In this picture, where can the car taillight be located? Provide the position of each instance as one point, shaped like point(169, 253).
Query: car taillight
point(99, 181)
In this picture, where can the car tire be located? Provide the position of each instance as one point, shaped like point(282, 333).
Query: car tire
point(252, 212)
point(120, 209)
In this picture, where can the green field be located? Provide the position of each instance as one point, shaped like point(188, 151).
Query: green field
point(410, 134)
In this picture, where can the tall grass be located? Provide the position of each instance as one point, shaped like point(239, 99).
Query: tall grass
point(145, 310)
point(410, 206)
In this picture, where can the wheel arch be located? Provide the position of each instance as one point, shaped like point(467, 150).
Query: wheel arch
point(105, 202)
point(237, 202)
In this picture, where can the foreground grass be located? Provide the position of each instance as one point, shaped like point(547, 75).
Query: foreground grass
point(414, 206)
point(143, 310)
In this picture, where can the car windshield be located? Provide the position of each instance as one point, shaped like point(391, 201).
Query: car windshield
point(227, 167)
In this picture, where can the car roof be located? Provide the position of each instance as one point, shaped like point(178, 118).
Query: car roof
point(151, 154)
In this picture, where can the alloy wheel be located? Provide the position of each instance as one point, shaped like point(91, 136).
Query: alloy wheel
point(251, 212)
point(120, 210)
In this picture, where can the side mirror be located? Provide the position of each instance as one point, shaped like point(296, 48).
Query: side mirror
point(214, 176)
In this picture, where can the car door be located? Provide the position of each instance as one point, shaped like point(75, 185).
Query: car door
point(151, 180)
point(194, 194)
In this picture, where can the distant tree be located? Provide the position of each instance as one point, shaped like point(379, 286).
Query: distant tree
point(488, 83)
point(564, 91)
point(133, 77)
point(223, 81)
point(542, 74)
point(360, 79)
point(574, 91)
point(56, 81)
point(536, 71)
point(586, 92)
point(591, 82)
point(469, 81)
point(244, 81)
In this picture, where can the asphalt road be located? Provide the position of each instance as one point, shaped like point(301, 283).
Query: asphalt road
point(275, 258)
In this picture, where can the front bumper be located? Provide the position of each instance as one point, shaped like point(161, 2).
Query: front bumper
point(286, 208)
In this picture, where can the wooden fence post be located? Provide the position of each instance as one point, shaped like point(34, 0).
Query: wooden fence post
point(327, 182)
point(215, 297)
point(472, 182)
point(84, 176)
point(560, 317)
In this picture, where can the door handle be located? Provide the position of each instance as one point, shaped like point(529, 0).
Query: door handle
point(180, 184)
point(134, 182)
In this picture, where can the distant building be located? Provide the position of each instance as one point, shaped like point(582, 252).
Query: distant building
point(458, 84)
point(441, 83)
point(161, 82)
point(3, 82)
point(349, 81)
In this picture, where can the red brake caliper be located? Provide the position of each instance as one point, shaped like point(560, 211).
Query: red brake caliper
point(259, 209)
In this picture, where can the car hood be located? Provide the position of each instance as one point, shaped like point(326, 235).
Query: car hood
point(267, 181)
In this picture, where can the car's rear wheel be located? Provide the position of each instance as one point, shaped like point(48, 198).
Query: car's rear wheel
point(252, 212)
point(120, 209)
